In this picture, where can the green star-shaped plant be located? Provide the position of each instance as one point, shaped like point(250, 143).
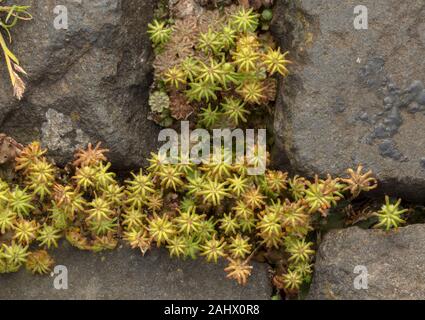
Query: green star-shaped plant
point(210, 42)
point(85, 177)
point(104, 177)
point(177, 246)
point(14, 254)
point(20, 202)
point(390, 215)
point(213, 249)
point(229, 224)
point(238, 185)
point(252, 92)
point(41, 177)
point(300, 250)
point(100, 209)
point(246, 59)
point(235, 110)
point(228, 36)
point(239, 247)
point(270, 229)
point(171, 177)
point(202, 91)
point(133, 218)
point(190, 66)
point(25, 231)
point(214, 192)
point(175, 77)
point(103, 227)
point(245, 20)
point(189, 222)
point(276, 62)
point(292, 280)
point(209, 116)
point(140, 184)
point(161, 229)
point(211, 73)
point(7, 220)
point(48, 236)
point(159, 33)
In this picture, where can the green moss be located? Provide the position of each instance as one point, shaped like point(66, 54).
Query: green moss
point(209, 210)
point(217, 57)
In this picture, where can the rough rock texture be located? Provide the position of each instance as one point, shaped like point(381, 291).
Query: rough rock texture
point(395, 264)
point(86, 84)
point(126, 274)
point(355, 96)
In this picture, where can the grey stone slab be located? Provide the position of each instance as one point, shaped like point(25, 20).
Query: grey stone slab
point(393, 264)
point(354, 96)
point(126, 274)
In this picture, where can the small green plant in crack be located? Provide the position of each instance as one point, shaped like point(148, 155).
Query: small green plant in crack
point(390, 215)
point(212, 210)
point(220, 61)
point(9, 17)
point(159, 32)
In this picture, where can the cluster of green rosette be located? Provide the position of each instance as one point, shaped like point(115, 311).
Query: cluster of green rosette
point(213, 210)
point(216, 77)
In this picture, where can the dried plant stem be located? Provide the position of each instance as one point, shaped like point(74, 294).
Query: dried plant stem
point(14, 13)
point(13, 64)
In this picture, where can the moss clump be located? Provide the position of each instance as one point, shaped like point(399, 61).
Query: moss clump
point(217, 68)
point(212, 210)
